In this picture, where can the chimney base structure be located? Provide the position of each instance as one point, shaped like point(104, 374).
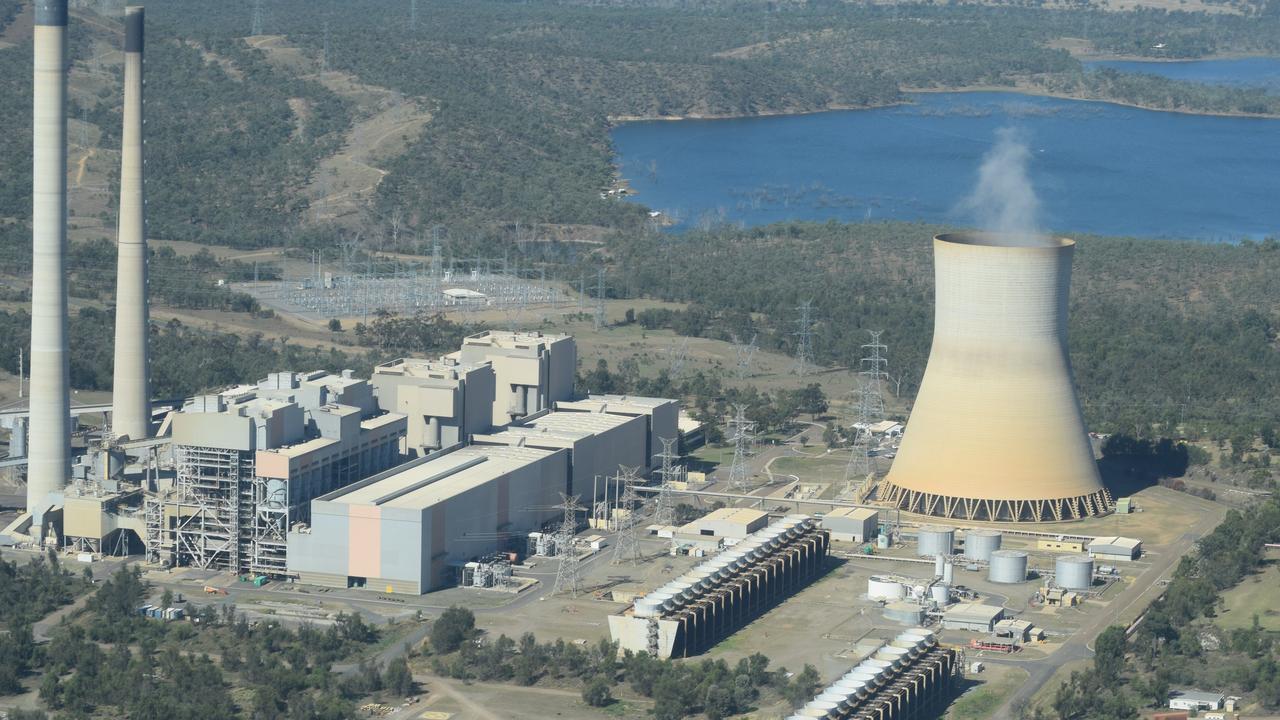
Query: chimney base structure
point(49, 456)
point(996, 433)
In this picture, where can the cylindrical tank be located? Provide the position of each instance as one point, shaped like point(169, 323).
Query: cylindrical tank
point(940, 593)
point(917, 592)
point(1001, 428)
point(1073, 572)
point(905, 613)
point(882, 541)
point(882, 588)
point(949, 573)
point(1007, 566)
point(939, 564)
point(935, 540)
point(979, 544)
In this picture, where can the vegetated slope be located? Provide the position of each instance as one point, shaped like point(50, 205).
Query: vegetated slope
point(226, 157)
point(1165, 336)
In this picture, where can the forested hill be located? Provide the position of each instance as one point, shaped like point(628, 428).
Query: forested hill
point(521, 94)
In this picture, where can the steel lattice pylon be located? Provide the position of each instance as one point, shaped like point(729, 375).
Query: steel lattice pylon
point(861, 468)
point(741, 434)
point(567, 577)
point(664, 512)
point(627, 547)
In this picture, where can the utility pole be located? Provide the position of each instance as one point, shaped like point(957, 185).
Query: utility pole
point(567, 575)
point(741, 434)
point(804, 338)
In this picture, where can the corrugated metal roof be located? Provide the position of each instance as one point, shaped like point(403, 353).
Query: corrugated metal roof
point(428, 483)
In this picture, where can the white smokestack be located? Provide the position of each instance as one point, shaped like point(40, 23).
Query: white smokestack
point(1004, 201)
point(130, 392)
point(48, 463)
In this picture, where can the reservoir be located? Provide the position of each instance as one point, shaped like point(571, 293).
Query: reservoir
point(1097, 167)
point(1252, 72)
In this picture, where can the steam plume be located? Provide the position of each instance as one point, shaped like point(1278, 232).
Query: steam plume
point(1004, 201)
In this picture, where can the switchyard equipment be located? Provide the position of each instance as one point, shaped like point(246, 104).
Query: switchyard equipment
point(979, 544)
point(722, 594)
point(1008, 567)
point(911, 676)
point(934, 540)
point(1073, 572)
point(997, 433)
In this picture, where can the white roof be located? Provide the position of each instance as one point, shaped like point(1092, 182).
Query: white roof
point(428, 483)
point(1122, 542)
point(973, 612)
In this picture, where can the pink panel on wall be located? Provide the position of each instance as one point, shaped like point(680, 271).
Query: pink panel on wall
point(364, 541)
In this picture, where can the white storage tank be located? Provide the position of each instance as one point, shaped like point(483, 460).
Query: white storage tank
point(1073, 572)
point(979, 544)
point(1007, 566)
point(935, 540)
point(882, 588)
point(940, 593)
point(949, 573)
point(905, 613)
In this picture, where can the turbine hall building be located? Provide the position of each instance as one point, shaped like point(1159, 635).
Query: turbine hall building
point(406, 530)
point(598, 443)
point(662, 416)
point(702, 607)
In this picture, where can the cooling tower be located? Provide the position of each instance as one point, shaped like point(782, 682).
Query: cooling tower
point(48, 459)
point(130, 392)
point(996, 432)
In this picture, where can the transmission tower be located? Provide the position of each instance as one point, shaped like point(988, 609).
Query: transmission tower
point(627, 548)
point(324, 60)
point(741, 434)
point(567, 577)
point(870, 406)
point(804, 339)
point(664, 512)
point(413, 14)
point(744, 356)
point(676, 357)
point(600, 317)
point(257, 18)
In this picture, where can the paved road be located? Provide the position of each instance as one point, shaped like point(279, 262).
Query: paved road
point(1080, 645)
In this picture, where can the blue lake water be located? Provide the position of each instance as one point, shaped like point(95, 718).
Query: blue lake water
point(1254, 72)
point(1097, 167)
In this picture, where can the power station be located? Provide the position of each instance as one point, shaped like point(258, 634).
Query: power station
point(996, 433)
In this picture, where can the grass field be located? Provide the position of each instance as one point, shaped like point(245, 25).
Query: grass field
point(1256, 595)
point(997, 682)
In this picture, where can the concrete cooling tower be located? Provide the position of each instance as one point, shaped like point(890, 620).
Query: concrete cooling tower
point(996, 432)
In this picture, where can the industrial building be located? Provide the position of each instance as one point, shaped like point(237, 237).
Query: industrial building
point(1115, 549)
point(444, 401)
point(910, 676)
point(531, 371)
point(1195, 700)
point(599, 444)
point(662, 416)
point(996, 433)
point(722, 594)
point(410, 529)
point(250, 460)
point(852, 524)
point(711, 529)
point(974, 617)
